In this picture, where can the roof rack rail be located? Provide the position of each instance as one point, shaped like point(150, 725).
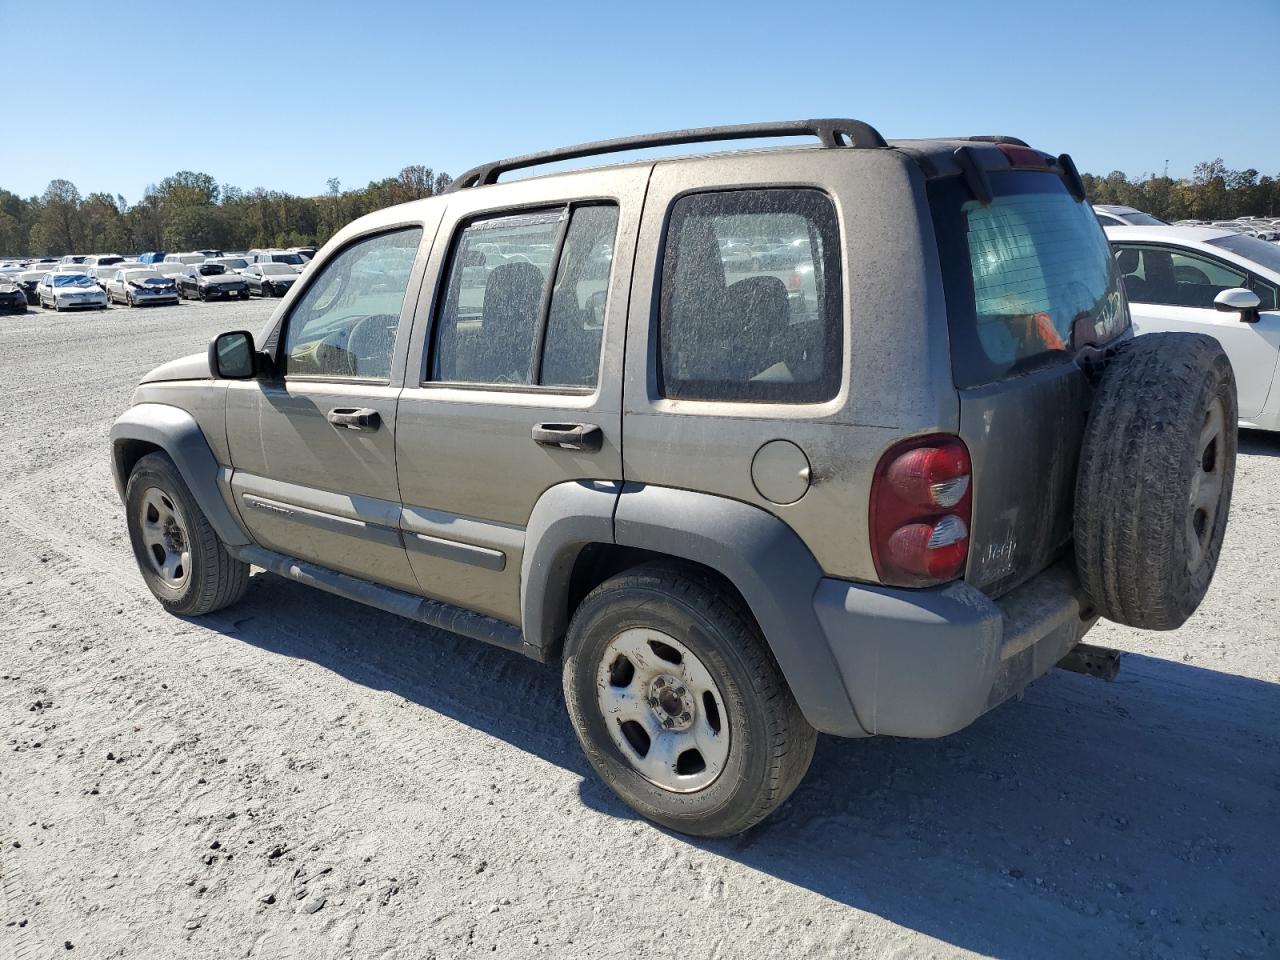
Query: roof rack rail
point(997, 138)
point(832, 133)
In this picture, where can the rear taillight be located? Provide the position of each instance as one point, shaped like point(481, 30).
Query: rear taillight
point(921, 499)
point(793, 281)
point(1019, 156)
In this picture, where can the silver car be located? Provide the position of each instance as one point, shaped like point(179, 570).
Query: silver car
point(139, 286)
point(70, 291)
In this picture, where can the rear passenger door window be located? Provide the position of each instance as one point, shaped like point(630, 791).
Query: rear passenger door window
point(750, 307)
point(344, 324)
point(525, 299)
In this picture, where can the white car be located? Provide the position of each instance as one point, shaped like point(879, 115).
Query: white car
point(65, 290)
point(184, 259)
point(1116, 215)
point(140, 285)
point(1214, 281)
point(171, 269)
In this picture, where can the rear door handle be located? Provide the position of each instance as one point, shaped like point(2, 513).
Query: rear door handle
point(354, 418)
point(569, 436)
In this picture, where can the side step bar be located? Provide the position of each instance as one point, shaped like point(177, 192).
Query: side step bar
point(1101, 662)
point(431, 612)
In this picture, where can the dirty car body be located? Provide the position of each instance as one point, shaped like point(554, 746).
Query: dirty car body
point(876, 473)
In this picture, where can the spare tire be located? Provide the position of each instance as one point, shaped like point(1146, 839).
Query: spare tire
point(1154, 483)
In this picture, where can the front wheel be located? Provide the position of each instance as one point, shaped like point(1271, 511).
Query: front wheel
point(678, 702)
point(179, 555)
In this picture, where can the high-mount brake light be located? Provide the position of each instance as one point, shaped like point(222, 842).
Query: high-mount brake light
point(1023, 156)
point(921, 504)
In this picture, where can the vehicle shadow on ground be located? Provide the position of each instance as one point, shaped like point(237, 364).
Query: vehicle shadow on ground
point(1138, 818)
point(1259, 443)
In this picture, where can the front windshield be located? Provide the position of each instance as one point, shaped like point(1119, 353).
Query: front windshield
point(211, 269)
point(277, 270)
point(71, 280)
point(1251, 248)
point(1144, 220)
point(287, 258)
point(133, 276)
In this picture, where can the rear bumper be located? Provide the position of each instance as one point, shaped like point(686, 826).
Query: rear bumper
point(926, 663)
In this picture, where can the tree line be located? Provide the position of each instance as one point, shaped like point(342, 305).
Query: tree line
point(1212, 192)
point(192, 210)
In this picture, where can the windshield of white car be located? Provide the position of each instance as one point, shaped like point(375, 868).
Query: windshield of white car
point(71, 280)
point(287, 258)
point(1251, 248)
point(133, 276)
point(278, 270)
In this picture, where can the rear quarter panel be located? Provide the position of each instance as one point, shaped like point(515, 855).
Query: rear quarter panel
point(896, 376)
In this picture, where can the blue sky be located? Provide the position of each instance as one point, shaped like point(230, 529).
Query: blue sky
point(286, 96)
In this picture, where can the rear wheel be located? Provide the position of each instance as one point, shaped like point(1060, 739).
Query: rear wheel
point(1154, 485)
point(179, 555)
point(679, 704)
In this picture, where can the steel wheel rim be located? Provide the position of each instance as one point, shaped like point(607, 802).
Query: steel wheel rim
point(164, 537)
point(1206, 485)
point(663, 710)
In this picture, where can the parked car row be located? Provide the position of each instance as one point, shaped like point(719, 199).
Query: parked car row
point(79, 281)
point(1264, 228)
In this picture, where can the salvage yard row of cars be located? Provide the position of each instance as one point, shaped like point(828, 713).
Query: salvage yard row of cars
point(89, 282)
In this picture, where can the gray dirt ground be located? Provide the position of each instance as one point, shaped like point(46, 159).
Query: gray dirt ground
point(303, 777)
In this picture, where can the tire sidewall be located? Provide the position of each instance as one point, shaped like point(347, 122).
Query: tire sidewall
point(1217, 383)
point(731, 796)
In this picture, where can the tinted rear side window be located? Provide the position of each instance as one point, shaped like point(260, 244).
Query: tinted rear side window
point(750, 306)
point(1020, 272)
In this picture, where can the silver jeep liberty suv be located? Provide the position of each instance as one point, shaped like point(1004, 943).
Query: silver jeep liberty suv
point(850, 437)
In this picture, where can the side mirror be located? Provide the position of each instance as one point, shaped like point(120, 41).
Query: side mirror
point(232, 356)
point(1241, 301)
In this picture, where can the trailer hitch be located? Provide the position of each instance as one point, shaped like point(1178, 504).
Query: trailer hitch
point(1101, 662)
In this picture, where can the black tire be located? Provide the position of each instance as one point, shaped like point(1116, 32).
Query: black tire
point(1145, 551)
point(770, 742)
point(215, 578)
point(128, 300)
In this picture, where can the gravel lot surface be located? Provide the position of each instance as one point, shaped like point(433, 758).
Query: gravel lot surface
point(300, 776)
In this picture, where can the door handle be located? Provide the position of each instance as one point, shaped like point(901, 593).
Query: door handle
point(568, 436)
point(354, 418)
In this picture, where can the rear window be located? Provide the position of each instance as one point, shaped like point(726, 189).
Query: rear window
point(1020, 273)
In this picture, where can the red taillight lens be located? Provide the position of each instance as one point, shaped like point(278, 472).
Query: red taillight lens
point(921, 500)
point(793, 281)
